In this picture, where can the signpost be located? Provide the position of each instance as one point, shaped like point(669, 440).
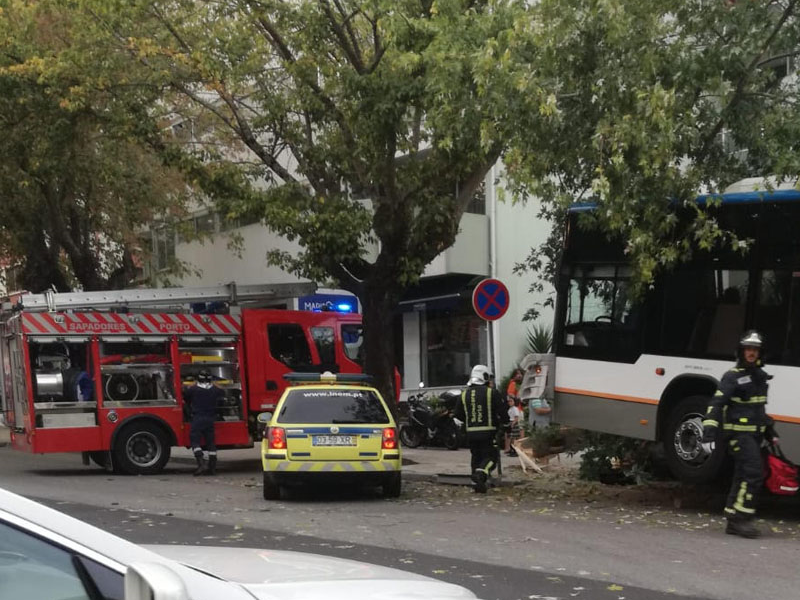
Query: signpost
point(490, 299)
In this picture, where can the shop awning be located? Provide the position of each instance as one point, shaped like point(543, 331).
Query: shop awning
point(444, 291)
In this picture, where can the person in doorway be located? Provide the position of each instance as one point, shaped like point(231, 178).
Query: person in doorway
point(482, 412)
point(203, 398)
point(739, 409)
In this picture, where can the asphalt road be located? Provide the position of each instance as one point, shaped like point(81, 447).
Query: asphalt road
point(503, 545)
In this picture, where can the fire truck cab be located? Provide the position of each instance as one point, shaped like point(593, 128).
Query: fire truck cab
point(103, 373)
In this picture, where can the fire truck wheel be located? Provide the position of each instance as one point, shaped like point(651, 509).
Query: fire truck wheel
point(141, 448)
point(100, 458)
point(684, 429)
point(272, 491)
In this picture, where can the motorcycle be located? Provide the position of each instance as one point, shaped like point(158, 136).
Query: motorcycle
point(429, 427)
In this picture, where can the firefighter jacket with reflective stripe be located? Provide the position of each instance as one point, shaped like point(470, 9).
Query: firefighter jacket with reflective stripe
point(203, 401)
point(482, 411)
point(739, 405)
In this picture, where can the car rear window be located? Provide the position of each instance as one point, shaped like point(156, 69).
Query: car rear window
point(332, 406)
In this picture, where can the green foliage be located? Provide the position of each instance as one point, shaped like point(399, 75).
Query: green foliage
point(360, 130)
point(75, 187)
point(637, 105)
point(615, 459)
point(540, 339)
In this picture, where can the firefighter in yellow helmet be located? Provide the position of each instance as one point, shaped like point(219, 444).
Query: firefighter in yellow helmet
point(739, 409)
point(483, 412)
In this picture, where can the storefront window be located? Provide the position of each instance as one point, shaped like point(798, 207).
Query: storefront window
point(452, 340)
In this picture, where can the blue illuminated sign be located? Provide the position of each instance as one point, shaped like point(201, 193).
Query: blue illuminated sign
point(344, 303)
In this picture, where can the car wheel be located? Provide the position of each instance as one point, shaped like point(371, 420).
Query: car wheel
point(272, 491)
point(411, 437)
point(684, 430)
point(141, 448)
point(392, 486)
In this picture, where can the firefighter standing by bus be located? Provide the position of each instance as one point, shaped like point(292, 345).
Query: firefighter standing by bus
point(739, 407)
point(482, 411)
point(203, 398)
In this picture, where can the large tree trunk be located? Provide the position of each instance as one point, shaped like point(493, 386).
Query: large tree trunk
point(379, 302)
point(41, 270)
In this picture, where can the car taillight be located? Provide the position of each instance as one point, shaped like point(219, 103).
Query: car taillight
point(389, 441)
point(277, 438)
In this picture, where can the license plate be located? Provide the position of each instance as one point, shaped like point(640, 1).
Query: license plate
point(334, 440)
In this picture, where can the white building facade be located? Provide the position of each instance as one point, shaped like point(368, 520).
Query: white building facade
point(442, 336)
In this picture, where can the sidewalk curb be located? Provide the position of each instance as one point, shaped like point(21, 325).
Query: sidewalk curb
point(427, 477)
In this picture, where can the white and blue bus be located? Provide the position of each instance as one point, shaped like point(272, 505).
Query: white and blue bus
point(646, 367)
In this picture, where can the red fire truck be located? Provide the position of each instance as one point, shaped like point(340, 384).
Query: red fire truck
point(102, 372)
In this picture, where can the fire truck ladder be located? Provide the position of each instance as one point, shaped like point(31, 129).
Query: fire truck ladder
point(231, 293)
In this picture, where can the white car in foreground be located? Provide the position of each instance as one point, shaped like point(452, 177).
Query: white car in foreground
point(47, 555)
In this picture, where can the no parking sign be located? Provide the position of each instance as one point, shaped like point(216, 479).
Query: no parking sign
point(490, 299)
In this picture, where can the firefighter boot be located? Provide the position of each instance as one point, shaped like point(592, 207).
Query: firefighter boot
point(480, 478)
point(212, 465)
point(201, 464)
point(742, 527)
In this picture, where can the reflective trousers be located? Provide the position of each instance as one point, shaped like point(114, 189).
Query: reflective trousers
point(748, 475)
point(484, 453)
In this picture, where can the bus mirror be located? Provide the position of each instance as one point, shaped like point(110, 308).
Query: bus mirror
point(264, 418)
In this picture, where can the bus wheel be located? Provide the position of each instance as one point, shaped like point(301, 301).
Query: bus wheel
point(682, 436)
point(141, 448)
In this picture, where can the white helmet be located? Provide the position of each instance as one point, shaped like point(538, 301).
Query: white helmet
point(751, 339)
point(479, 376)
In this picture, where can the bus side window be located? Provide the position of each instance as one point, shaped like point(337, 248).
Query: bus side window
point(778, 316)
point(712, 301)
point(602, 320)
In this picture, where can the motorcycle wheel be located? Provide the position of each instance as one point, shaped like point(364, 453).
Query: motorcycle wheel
point(411, 437)
point(450, 437)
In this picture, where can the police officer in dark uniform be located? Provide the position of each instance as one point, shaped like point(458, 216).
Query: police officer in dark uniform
point(482, 411)
point(739, 407)
point(203, 398)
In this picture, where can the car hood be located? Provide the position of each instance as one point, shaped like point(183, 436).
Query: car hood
point(285, 575)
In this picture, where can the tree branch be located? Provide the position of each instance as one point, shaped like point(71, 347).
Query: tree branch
point(245, 132)
point(345, 35)
point(739, 92)
point(280, 45)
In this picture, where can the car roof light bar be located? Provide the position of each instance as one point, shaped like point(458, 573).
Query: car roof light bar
point(328, 377)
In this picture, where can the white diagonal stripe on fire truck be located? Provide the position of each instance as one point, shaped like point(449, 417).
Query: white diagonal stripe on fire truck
point(234, 324)
point(44, 325)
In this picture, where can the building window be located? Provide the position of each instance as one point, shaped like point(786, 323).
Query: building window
point(243, 220)
point(205, 224)
point(163, 248)
point(477, 204)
